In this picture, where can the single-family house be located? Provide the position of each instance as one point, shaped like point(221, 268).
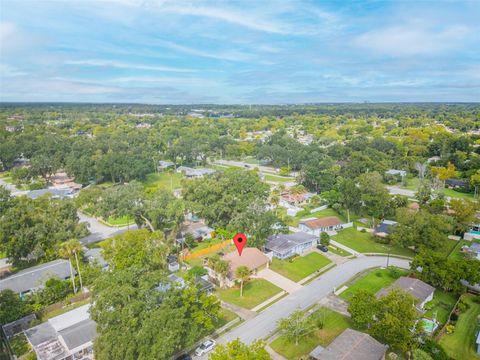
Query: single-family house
point(34, 278)
point(420, 290)
point(53, 192)
point(316, 226)
point(197, 229)
point(64, 337)
point(194, 173)
point(61, 180)
point(384, 228)
point(252, 258)
point(172, 281)
point(474, 249)
point(94, 256)
point(351, 345)
point(284, 246)
point(162, 165)
point(395, 172)
point(456, 183)
point(204, 285)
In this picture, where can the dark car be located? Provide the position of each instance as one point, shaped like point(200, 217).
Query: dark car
point(184, 357)
point(322, 248)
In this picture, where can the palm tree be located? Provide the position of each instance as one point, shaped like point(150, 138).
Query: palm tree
point(242, 273)
point(68, 249)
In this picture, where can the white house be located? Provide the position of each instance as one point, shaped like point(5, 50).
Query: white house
point(284, 246)
point(317, 226)
point(402, 173)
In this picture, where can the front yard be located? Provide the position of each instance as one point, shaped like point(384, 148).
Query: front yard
point(461, 343)
point(335, 324)
point(254, 293)
point(374, 281)
point(163, 180)
point(364, 242)
point(299, 267)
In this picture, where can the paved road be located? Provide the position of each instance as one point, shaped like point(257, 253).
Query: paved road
point(99, 231)
point(266, 322)
point(11, 188)
point(394, 190)
point(266, 169)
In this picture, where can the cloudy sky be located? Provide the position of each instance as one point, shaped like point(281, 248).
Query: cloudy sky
point(155, 51)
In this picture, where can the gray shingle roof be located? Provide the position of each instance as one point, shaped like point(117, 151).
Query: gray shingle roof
point(417, 288)
point(35, 277)
point(56, 193)
point(283, 242)
point(351, 345)
point(79, 334)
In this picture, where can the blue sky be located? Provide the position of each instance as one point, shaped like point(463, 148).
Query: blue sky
point(239, 51)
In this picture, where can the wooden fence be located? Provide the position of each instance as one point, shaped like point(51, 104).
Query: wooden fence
point(207, 250)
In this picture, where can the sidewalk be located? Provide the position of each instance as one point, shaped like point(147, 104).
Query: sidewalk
point(241, 312)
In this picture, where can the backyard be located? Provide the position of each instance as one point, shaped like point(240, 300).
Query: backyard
point(364, 242)
point(299, 267)
point(461, 343)
point(163, 180)
point(373, 281)
point(254, 293)
point(334, 325)
point(440, 306)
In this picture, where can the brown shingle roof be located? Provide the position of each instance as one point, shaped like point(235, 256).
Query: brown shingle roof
point(417, 288)
point(323, 222)
point(251, 258)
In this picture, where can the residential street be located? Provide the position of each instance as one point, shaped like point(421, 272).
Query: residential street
point(265, 323)
point(394, 190)
point(99, 231)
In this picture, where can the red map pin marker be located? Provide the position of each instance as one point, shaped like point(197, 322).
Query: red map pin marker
point(240, 241)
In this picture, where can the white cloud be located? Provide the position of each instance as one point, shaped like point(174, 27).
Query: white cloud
point(122, 65)
point(411, 39)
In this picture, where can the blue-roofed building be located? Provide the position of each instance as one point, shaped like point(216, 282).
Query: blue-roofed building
point(384, 228)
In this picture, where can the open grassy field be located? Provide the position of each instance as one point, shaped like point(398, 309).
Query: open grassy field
point(120, 221)
point(441, 306)
point(278, 179)
point(338, 251)
point(163, 180)
point(299, 267)
point(460, 344)
point(364, 242)
point(254, 293)
point(373, 281)
point(335, 324)
point(456, 194)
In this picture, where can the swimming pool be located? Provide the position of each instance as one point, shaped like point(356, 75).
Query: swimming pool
point(429, 326)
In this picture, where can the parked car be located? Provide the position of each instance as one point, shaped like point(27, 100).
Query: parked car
point(205, 347)
point(322, 248)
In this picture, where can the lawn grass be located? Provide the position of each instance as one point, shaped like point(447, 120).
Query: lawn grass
point(373, 281)
point(119, 221)
point(335, 324)
point(254, 292)
point(3, 255)
point(364, 242)
point(162, 180)
point(299, 267)
point(461, 344)
point(456, 254)
point(338, 251)
point(440, 306)
point(455, 194)
point(224, 317)
point(324, 213)
point(20, 345)
point(278, 179)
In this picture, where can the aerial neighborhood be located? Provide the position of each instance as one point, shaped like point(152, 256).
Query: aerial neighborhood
point(334, 253)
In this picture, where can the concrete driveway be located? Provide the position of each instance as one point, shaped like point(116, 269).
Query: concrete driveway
point(279, 280)
point(265, 323)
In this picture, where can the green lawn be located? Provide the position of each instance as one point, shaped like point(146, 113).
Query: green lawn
point(224, 317)
point(162, 180)
point(456, 194)
point(20, 345)
point(335, 324)
point(254, 292)
point(299, 267)
point(120, 221)
point(457, 254)
point(338, 251)
point(461, 344)
point(441, 306)
point(364, 242)
point(278, 178)
point(373, 281)
point(323, 213)
point(3, 255)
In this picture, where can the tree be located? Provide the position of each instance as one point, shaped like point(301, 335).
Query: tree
point(350, 196)
point(137, 248)
point(421, 355)
point(324, 239)
point(296, 326)
point(11, 306)
point(362, 308)
point(424, 192)
point(373, 194)
point(68, 249)
point(444, 173)
point(464, 213)
point(236, 350)
point(242, 273)
point(475, 182)
point(220, 267)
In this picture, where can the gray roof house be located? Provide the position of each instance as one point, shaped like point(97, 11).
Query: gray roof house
point(478, 343)
point(165, 164)
point(65, 336)
point(402, 173)
point(351, 345)
point(417, 288)
point(54, 193)
point(284, 246)
point(94, 255)
point(475, 250)
point(194, 173)
point(35, 277)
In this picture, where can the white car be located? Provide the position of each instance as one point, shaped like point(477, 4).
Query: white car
point(205, 347)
